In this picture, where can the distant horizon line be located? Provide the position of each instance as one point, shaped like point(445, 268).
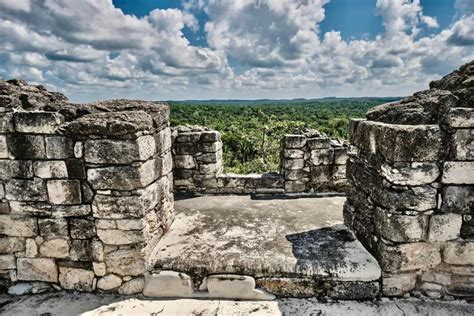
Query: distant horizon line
point(282, 99)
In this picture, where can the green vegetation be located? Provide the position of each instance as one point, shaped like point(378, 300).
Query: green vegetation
point(251, 130)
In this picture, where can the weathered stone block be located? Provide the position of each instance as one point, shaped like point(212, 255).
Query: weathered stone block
point(295, 174)
point(19, 226)
point(184, 162)
point(110, 151)
point(99, 268)
point(50, 169)
point(188, 137)
point(339, 172)
point(11, 244)
point(406, 257)
point(293, 153)
point(410, 173)
point(163, 140)
point(464, 144)
point(78, 150)
point(6, 123)
point(26, 190)
point(444, 227)
point(459, 253)
point(37, 122)
point(129, 224)
point(184, 148)
point(209, 147)
point(7, 262)
point(458, 172)
point(210, 136)
point(60, 211)
point(15, 169)
point(3, 147)
point(211, 168)
point(80, 250)
point(64, 192)
point(37, 269)
point(318, 143)
point(295, 186)
point(76, 279)
point(109, 282)
point(294, 141)
point(400, 228)
point(293, 164)
point(398, 284)
point(22, 146)
point(125, 262)
point(82, 228)
point(134, 286)
point(50, 227)
point(322, 156)
point(168, 284)
point(76, 169)
point(123, 178)
point(120, 237)
point(461, 117)
point(59, 147)
point(320, 174)
point(457, 199)
point(209, 158)
point(55, 248)
point(340, 155)
point(399, 142)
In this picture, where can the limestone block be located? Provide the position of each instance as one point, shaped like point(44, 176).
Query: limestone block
point(294, 141)
point(31, 248)
point(184, 162)
point(4, 208)
point(293, 153)
point(129, 224)
point(120, 237)
point(60, 211)
point(26, 190)
point(50, 169)
point(340, 155)
point(461, 117)
point(163, 140)
point(210, 136)
point(37, 269)
point(59, 147)
point(168, 284)
point(464, 144)
point(399, 142)
point(406, 257)
point(209, 147)
point(400, 228)
point(78, 150)
point(458, 172)
point(105, 224)
point(457, 199)
point(76, 279)
point(11, 244)
point(2, 191)
point(7, 262)
point(211, 168)
point(50, 227)
point(6, 123)
point(30, 208)
point(76, 169)
point(436, 277)
point(320, 174)
point(102, 151)
point(209, 158)
point(134, 286)
point(99, 268)
point(295, 186)
point(184, 148)
point(37, 122)
point(164, 165)
point(444, 227)
point(97, 250)
point(410, 173)
point(339, 172)
point(55, 248)
point(123, 177)
point(22, 146)
point(289, 287)
point(230, 286)
point(125, 262)
point(3, 147)
point(398, 284)
point(293, 164)
point(15, 169)
point(188, 137)
point(322, 156)
point(459, 253)
point(82, 228)
point(18, 226)
point(318, 143)
point(64, 191)
point(109, 282)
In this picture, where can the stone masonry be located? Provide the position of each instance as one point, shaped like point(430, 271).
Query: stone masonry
point(310, 162)
point(85, 190)
point(411, 201)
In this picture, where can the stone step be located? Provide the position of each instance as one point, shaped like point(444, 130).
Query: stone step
point(235, 247)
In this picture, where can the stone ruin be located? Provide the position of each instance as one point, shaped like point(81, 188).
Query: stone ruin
point(411, 196)
point(310, 162)
point(86, 194)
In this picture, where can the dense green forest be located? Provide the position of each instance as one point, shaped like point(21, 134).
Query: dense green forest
point(251, 130)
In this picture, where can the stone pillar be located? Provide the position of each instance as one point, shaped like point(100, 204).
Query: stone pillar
point(312, 162)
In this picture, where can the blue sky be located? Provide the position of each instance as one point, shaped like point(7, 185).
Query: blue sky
point(202, 49)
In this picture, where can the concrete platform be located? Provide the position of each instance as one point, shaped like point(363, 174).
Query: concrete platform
point(294, 247)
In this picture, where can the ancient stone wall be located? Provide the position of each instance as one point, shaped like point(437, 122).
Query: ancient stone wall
point(310, 162)
point(85, 190)
point(411, 200)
